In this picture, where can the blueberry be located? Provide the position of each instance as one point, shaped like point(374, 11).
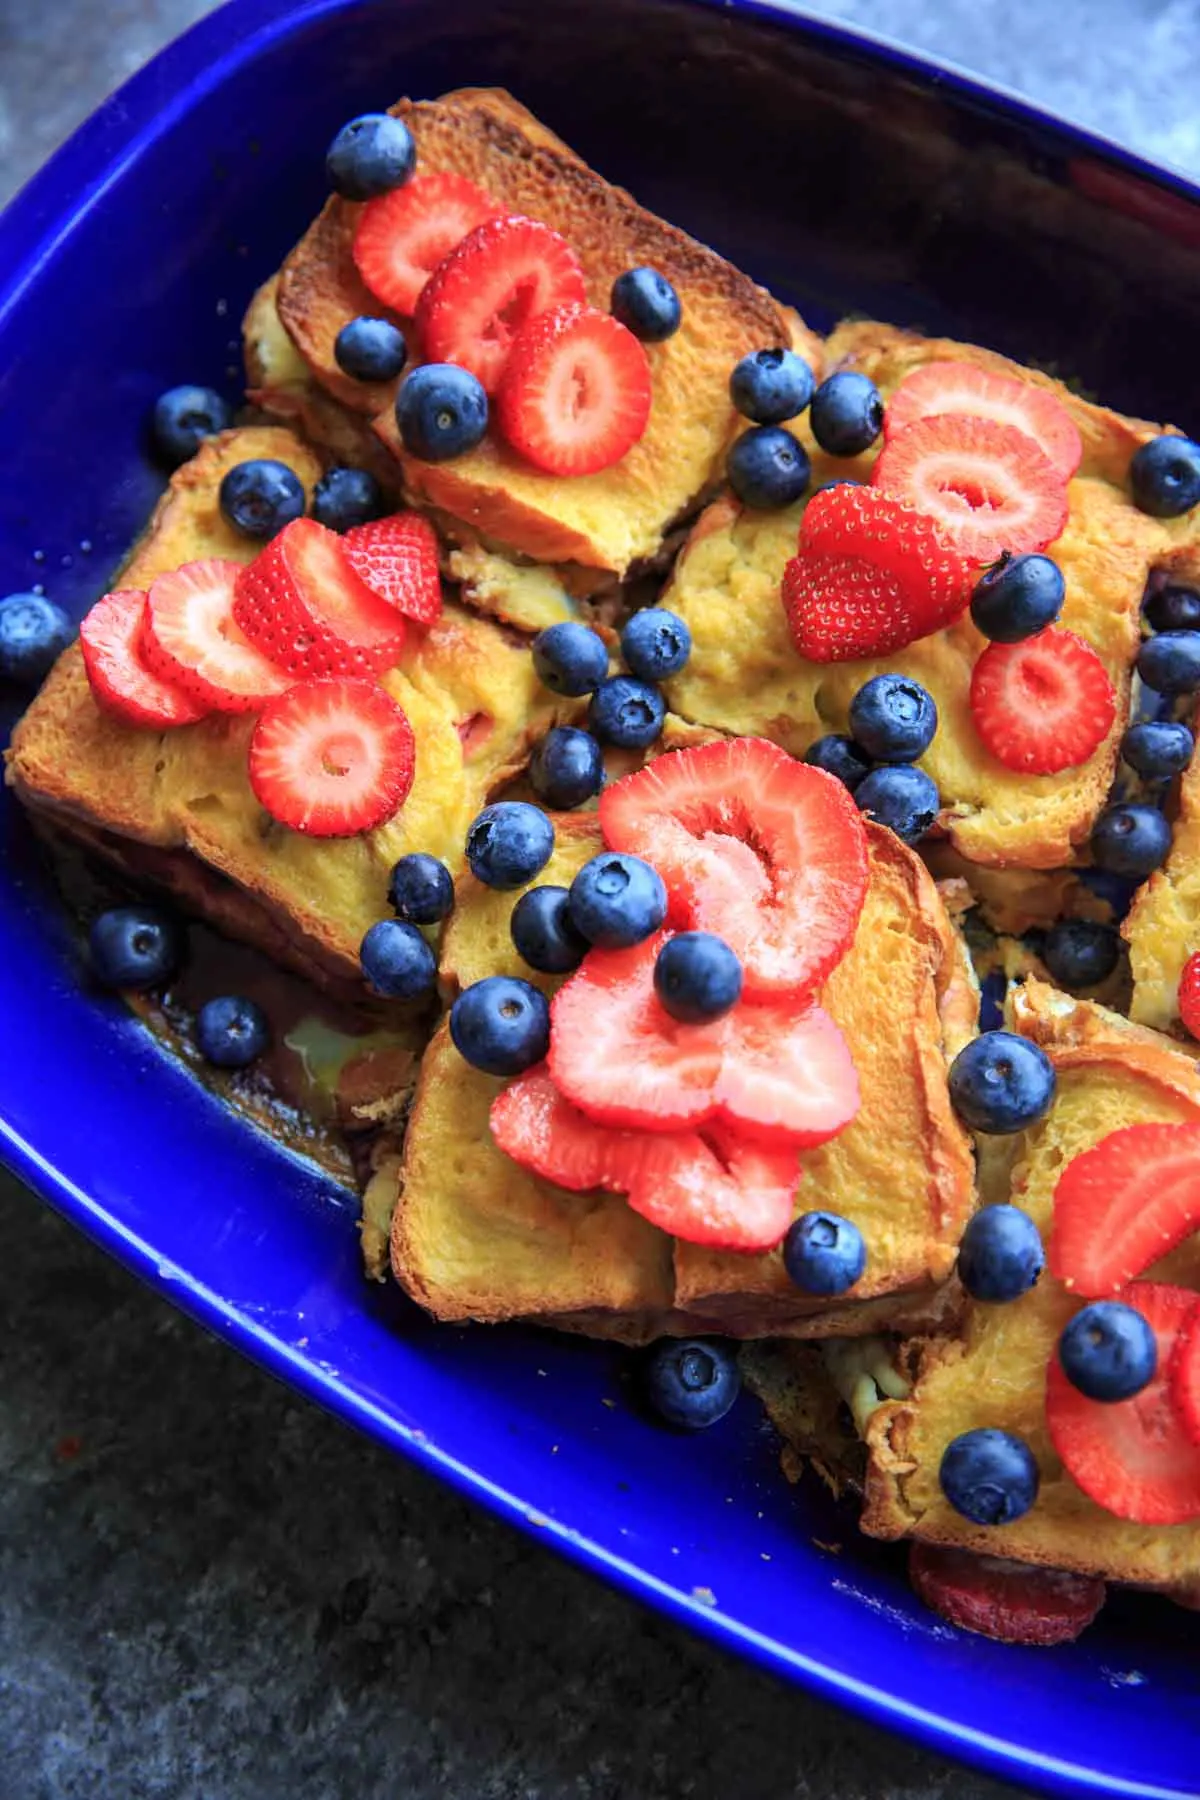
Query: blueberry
point(33, 633)
point(396, 960)
point(1108, 1351)
point(369, 349)
point(544, 932)
point(1131, 839)
point(134, 947)
point(1080, 953)
point(1158, 749)
point(655, 643)
point(421, 889)
point(1001, 1083)
point(344, 498)
point(1018, 596)
point(1173, 609)
point(691, 1382)
point(231, 1031)
point(617, 900)
point(371, 155)
point(441, 412)
point(824, 1253)
point(566, 768)
point(901, 797)
point(501, 1025)
point(1116, 891)
point(839, 756)
point(644, 301)
point(992, 992)
point(508, 842)
point(767, 467)
point(846, 414)
point(893, 718)
point(570, 659)
point(989, 1476)
point(1170, 662)
point(1001, 1255)
point(697, 977)
point(770, 386)
point(261, 496)
point(1165, 476)
point(184, 417)
point(627, 712)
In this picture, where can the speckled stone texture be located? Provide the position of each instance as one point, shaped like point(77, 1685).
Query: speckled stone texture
point(209, 1590)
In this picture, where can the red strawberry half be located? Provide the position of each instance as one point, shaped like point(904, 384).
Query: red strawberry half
point(1122, 1204)
point(958, 387)
point(398, 559)
point(122, 680)
point(988, 486)
point(190, 637)
point(1012, 1602)
point(766, 852)
point(332, 758)
point(482, 296)
point(1132, 1457)
point(402, 237)
point(1044, 704)
point(576, 391)
point(1189, 995)
point(1184, 1373)
point(307, 610)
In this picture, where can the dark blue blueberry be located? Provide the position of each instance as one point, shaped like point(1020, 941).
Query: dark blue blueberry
point(691, 1382)
point(441, 412)
point(846, 414)
point(1170, 662)
point(134, 947)
point(617, 900)
point(989, 1476)
point(344, 498)
point(1165, 476)
point(824, 1253)
point(1108, 1351)
point(902, 798)
point(261, 496)
point(992, 991)
point(1173, 609)
point(1018, 596)
point(767, 467)
point(655, 643)
point(397, 961)
point(839, 756)
point(544, 932)
point(1131, 839)
point(1000, 1256)
point(1001, 1083)
point(508, 843)
point(421, 889)
point(570, 659)
point(184, 417)
point(370, 349)
point(646, 304)
point(1080, 953)
point(371, 155)
point(1116, 891)
point(770, 386)
point(1159, 749)
point(893, 718)
point(33, 634)
point(232, 1031)
point(501, 1025)
point(697, 977)
point(566, 768)
point(627, 712)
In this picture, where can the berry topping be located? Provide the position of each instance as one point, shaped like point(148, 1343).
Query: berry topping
point(402, 237)
point(1124, 1203)
point(261, 496)
point(501, 1025)
point(332, 758)
point(369, 349)
point(134, 947)
point(33, 634)
point(1044, 704)
point(508, 843)
point(1189, 995)
point(840, 757)
point(767, 467)
point(691, 1382)
point(575, 395)
point(1165, 476)
point(989, 1476)
point(902, 797)
point(371, 155)
point(1081, 953)
point(396, 960)
point(1173, 609)
point(769, 386)
point(1184, 1373)
point(1001, 1256)
point(1170, 662)
point(1001, 1083)
point(190, 637)
point(1010, 1602)
point(646, 304)
point(566, 768)
point(988, 486)
point(655, 643)
point(846, 414)
point(302, 604)
point(122, 680)
point(441, 412)
point(1130, 839)
point(231, 1031)
point(1158, 749)
point(1108, 1351)
point(893, 718)
point(617, 900)
point(544, 933)
point(1018, 597)
point(957, 387)
point(421, 889)
point(346, 497)
point(627, 712)
point(397, 557)
point(824, 1253)
point(570, 659)
point(697, 977)
point(183, 418)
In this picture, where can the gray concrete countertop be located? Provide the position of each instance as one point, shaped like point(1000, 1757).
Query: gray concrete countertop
point(211, 1591)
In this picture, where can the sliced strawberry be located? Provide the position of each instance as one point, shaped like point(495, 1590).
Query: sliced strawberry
point(479, 299)
point(575, 396)
point(332, 758)
point(1044, 704)
point(122, 680)
point(307, 610)
point(767, 852)
point(1011, 1602)
point(190, 637)
point(402, 237)
point(958, 387)
point(1122, 1204)
point(1184, 1373)
point(1132, 1457)
point(398, 559)
point(988, 486)
point(538, 1128)
point(1189, 995)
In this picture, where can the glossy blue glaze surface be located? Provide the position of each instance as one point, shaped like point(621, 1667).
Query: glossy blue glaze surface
point(845, 175)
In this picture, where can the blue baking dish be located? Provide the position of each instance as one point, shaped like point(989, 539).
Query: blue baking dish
point(845, 174)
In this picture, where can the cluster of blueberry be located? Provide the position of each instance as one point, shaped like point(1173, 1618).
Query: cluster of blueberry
point(768, 466)
point(892, 721)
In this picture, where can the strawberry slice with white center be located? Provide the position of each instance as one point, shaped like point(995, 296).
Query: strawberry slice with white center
point(397, 557)
point(576, 395)
point(1044, 704)
point(1010, 1602)
point(401, 237)
point(1122, 1204)
point(332, 758)
point(122, 680)
point(190, 637)
point(766, 852)
point(306, 609)
point(1184, 1373)
point(1135, 1457)
point(988, 486)
point(479, 300)
point(958, 387)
